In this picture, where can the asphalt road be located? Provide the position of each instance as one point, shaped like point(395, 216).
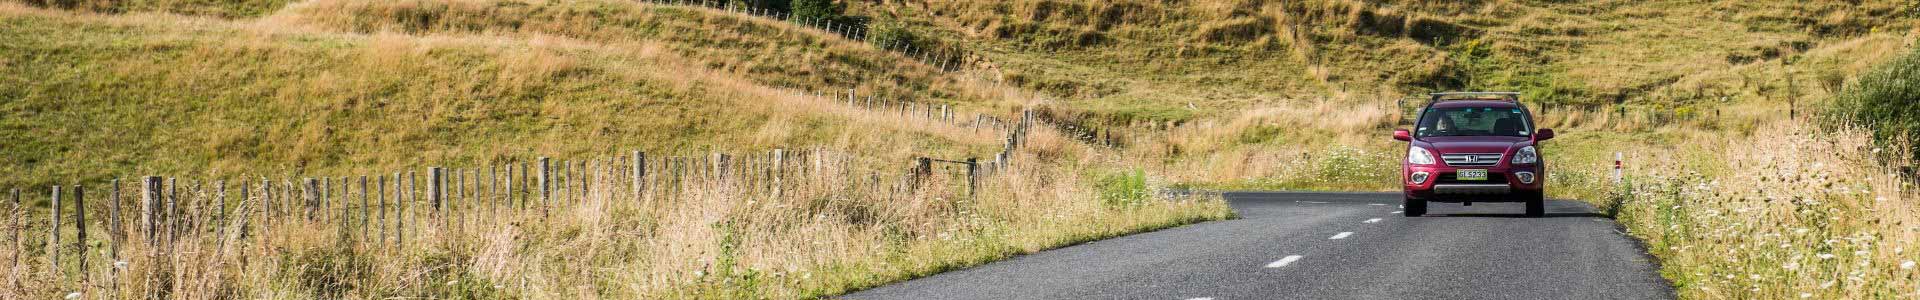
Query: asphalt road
point(1329, 246)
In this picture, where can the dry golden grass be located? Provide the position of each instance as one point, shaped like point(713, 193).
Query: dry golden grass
point(230, 99)
point(702, 229)
point(1803, 213)
point(187, 94)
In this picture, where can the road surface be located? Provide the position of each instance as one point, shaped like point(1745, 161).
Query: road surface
point(1329, 246)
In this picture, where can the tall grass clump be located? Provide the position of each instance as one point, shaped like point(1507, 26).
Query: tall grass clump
point(1885, 100)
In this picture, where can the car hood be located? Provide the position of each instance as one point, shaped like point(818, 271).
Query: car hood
point(1473, 144)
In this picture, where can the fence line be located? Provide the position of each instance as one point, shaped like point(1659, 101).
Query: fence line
point(945, 60)
point(202, 217)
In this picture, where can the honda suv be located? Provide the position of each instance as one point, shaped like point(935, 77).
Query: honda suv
point(1474, 147)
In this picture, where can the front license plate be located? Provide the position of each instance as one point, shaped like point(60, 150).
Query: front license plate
point(1471, 175)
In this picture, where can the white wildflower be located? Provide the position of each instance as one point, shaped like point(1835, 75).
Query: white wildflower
point(1804, 295)
point(73, 295)
point(1906, 265)
point(1824, 256)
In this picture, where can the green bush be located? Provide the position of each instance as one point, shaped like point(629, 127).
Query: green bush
point(1886, 100)
point(892, 34)
point(817, 9)
point(1123, 189)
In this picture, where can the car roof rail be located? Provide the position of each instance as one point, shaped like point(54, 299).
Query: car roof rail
point(1502, 96)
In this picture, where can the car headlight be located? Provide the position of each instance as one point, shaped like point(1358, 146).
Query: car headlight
point(1526, 156)
point(1419, 156)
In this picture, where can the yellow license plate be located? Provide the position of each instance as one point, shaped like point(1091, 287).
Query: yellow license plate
point(1471, 175)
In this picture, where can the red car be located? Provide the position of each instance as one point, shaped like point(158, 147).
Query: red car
point(1474, 147)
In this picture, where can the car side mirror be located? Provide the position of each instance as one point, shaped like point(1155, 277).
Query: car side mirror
point(1543, 134)
point(1402, 135)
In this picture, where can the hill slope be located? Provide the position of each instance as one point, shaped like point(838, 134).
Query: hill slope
point(340, 86)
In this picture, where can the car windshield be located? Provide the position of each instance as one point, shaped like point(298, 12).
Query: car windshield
point(1474, 121)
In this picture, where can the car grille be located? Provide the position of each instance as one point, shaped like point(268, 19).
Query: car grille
point(1471, 159)
point(1492, 178)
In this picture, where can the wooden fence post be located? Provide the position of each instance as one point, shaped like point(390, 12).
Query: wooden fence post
point(509, 184)
point(170, 218)
point(973, 178)
point(80, 230)
point(413, 183)
point(150, 190)
point(53, 236)
point(546, 184)
point(266, 202)
point(310, 197)
point(219, 206)
point(434, 182)
point(381, 240)
point(19, 246)
point(639, 175)
point(402, 199)
point(246, 188)
point(779, 157)
point(115, 235)
point(582, 174)
point(365, 232)
point(493, 188)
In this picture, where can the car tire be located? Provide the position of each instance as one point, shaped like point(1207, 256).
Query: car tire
point(1536, 204)
point(1413, 207)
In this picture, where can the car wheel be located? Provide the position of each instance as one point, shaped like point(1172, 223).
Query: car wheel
point(1413, 207)
point(1536, 204)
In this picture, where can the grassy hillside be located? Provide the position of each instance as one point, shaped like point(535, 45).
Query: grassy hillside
point(341, 88)
point(1125, 61)
point(1713, 103)
point(93, 97)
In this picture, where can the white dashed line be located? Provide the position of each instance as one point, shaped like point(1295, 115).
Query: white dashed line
point(1201, 298)
point(1284, 261)
point(1315, 202)
point(1377, 204)
point(1373, 220)
point(1342, 235)
point(1395, 212)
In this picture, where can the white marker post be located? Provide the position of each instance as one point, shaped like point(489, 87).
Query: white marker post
point(1617, 158)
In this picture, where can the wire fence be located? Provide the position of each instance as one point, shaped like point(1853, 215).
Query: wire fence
point(151, 222)
point(945, 59)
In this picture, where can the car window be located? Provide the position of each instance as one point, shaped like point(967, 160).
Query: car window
point(1474, 121)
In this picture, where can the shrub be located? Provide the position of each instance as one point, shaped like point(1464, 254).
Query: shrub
point(817, 9)
point(1886, 100)
point(892, 33)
